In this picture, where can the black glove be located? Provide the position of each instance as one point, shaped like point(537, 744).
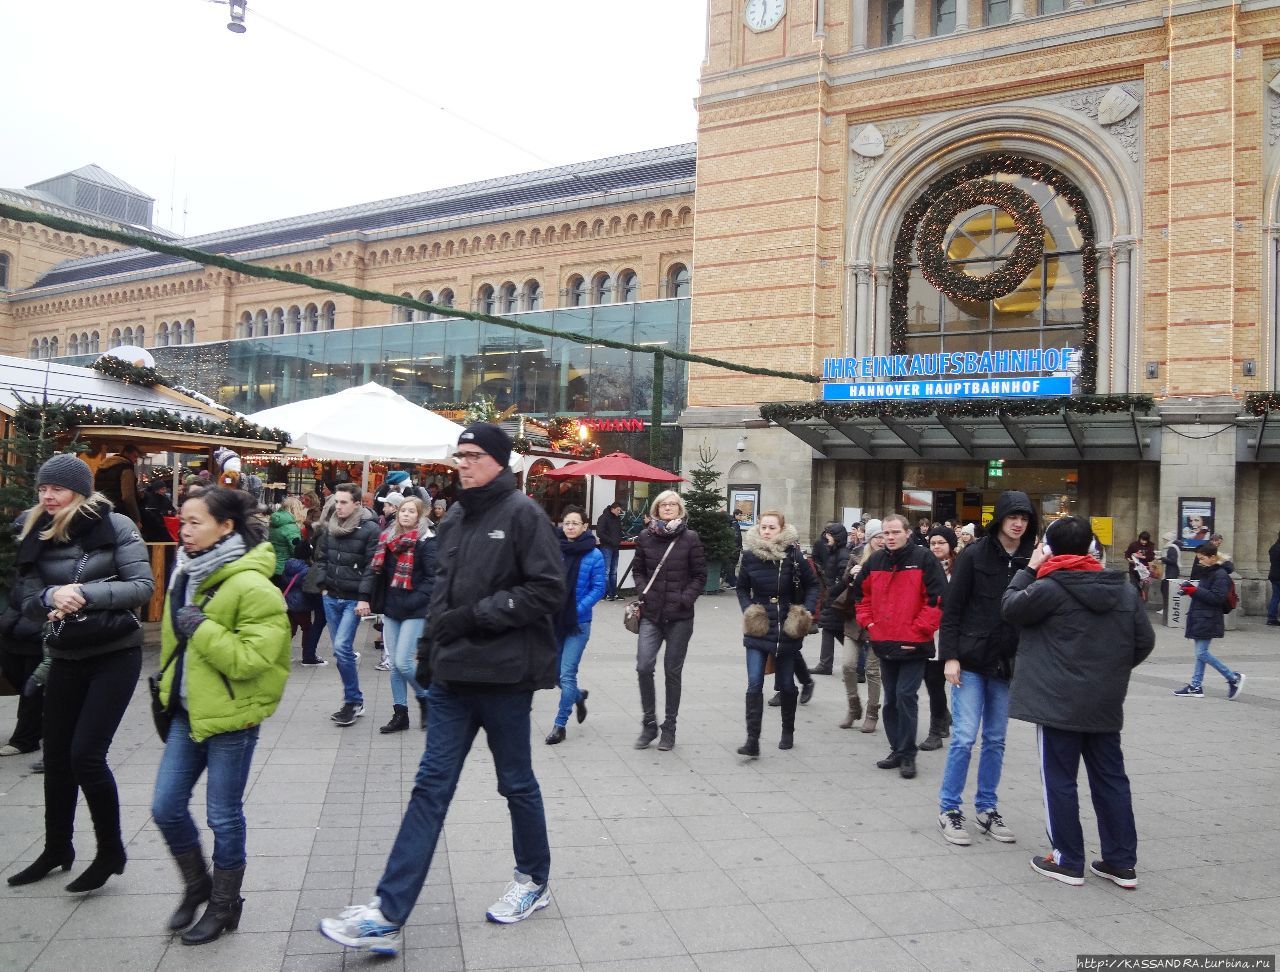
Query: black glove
point(453, 624)
point(189, 618)
point(422, 673)
point(32, 688)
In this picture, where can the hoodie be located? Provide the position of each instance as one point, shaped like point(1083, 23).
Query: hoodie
point(972, 630)
point(1080, 634)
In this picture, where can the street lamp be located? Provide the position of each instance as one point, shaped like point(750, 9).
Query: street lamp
point(238, 9)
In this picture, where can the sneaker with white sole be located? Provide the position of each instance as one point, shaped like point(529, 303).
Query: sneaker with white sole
point(993, 825)
point(1125, 877)
point(1235, 687)
point(347, 715)
point(1189, 692)
point(363, 927)
point(383, 666)
point(521, 899)
point(952, 824)
point(1052, 869)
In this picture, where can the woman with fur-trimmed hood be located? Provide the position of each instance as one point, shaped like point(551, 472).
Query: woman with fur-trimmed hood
point(777, 591)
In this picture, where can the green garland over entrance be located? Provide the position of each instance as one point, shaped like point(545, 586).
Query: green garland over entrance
point(963, 184)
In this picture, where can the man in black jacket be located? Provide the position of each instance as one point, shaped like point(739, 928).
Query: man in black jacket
point(346, 543)
point(609, 538)
point(977, 649)
point(499, 583)
point(1082, 632)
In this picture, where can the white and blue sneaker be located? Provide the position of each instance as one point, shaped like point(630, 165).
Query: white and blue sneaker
point(1234, 686)
point(521, 899)
point(363, 927)
point(1189, 692)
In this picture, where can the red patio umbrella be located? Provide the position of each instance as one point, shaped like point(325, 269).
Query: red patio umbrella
point(618, 466)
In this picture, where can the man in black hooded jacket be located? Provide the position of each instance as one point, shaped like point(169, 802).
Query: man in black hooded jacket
point(977, 648)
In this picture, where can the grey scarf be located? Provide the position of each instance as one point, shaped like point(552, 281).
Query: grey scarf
point(194, 569)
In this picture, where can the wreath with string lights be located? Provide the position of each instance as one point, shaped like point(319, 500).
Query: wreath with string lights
point(953, 282)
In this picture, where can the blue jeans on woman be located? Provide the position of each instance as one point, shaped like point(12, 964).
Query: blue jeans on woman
point(571, 648)
point(227, 758)
point(977, 699)
point(784, 671)
point(1205, 657)
point(401, 641)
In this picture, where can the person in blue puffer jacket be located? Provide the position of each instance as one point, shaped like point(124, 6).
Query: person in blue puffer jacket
point(584, 587)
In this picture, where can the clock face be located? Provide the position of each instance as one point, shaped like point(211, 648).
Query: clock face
point(764, 14)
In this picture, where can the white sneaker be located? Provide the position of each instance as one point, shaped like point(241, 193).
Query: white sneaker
point(521, 899)
point(383, 666)
point(993, 825)
point(952, 824)
point(363, 927)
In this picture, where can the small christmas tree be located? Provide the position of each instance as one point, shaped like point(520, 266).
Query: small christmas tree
point(31, 440)
point(702, 501)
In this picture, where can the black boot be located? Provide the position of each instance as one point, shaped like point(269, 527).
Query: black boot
point(934, 739)
point(197, 885)
point(946, 725)
point(223, 911)
point(104, 808)
point(399, 720)
point(788, 720)
point(49, 860)
point(422, 712)
point(107, 862)
point(776, 700)
point(755, 714)
point(648, 710)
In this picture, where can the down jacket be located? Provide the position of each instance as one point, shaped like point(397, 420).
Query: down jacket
point(682, 579)
point(833, 563)
point(1080, 635)
point(397, 603)
point(284, 532)
point(116, 576)
point(899, 595)
point(498, 558)
point(237, 661)
point(1205, 617)
point(591, 585)
point(340, 562)
point(765, 582)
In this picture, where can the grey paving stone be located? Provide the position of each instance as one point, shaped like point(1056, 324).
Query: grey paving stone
point(753, 960)
point(142, 953)
point(263, 952)
point(586, 896)
point(869, 955)
point(611, 937)
point(826, 919)
point(489, 946)
point(730, 927)
point(964, 950)
point(21, 921)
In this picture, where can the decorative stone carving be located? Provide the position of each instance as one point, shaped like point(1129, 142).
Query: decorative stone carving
point(1273, 102)
point(1125, 127)
point(861, 164)
point(868, 142)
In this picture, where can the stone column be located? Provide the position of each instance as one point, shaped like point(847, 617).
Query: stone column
point(1105, 321)
point(860, 19)
point(1123, 301)
point(1017, 10)
point(880, 330)
point(962, 15)
point(861, 309)
point(908, 20)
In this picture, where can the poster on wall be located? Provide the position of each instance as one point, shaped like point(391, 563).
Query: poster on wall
point(744, 505)
point(1195, 520)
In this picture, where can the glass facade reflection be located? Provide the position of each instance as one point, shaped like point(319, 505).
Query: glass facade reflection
point(448, 360)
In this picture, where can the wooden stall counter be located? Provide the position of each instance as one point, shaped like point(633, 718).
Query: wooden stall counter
point(163, 556)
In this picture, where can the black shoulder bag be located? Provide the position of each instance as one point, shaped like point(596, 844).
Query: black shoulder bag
point(161, 714)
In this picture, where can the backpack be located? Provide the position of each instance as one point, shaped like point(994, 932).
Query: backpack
point(1233, 599)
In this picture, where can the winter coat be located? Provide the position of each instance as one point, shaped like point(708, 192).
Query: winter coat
point(766, 589)
point(498, 557)
point(591, 585)
point(237, 661)
point(1273, 552)
point(680, 582)
point(609, 530)
point(1173, 562)
point(1205, 617)
point(833, 564)
point(117, 480)
point(397, 603)
point(296, 598)
point(1080, 635)
point(116, 576)
point(973, 630)
point(284, 530)
point(339, 562)
point(899, 595)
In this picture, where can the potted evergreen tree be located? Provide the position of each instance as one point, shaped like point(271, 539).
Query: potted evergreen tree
point(702, 501)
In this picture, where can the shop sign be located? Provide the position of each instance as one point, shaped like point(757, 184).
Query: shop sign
point(956, 375)
point(612, 424)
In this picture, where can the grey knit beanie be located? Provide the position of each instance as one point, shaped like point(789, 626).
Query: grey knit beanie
point(68, 470)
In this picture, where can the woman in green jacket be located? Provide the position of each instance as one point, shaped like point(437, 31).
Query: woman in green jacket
point(224, 659)
point(285, 530)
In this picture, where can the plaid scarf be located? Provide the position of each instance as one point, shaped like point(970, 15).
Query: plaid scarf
point(402, 547)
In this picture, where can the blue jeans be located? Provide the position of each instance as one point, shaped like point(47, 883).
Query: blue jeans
point(571, 649)
point(1205, 657)
point(401, 640)
point(977, 699)
point(784, 671)
point(453, 719)
point(1275, 601)
point(340, 614)
point(610, 570)
point(227, 758)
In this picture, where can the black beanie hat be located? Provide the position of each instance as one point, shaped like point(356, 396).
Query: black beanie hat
point(68, 470)
point(946, 533)
point(489, 438)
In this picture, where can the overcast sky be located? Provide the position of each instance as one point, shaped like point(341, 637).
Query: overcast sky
point(240, 129)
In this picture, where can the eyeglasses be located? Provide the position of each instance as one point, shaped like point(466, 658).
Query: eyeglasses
point(468, 456)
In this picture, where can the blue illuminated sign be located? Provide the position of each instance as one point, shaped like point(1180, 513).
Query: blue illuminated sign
point(955, 375)
point(859, 391)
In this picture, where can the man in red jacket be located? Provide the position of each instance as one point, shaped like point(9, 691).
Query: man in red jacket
point(899, 595)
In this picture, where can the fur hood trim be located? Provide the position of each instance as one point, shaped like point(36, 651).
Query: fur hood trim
point(775, 549)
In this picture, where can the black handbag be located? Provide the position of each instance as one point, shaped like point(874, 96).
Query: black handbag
point(91, 627)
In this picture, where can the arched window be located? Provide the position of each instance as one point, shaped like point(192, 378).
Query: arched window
point(190, 337)
point(404, 314)
point(944, 17)
point(577, 291)
point(34, 350)
point(95, 343)
point(446, 298)
point(678, 283)
point(73, 344)
point(893, 33)
point(507, 303)
point(311, 318)
point(602, 289)
point(44, 348)
point(4, 270)
point(277, 320)
point(1046, 309)
point(427, 297)
point(628, 287)
point(84, 342)
point(126, 336)
point(140, 336)
point(294, 320)
point(531, 296)
point(328, 316)
point(262, 325)
point(114, 340)
point(484, 299)
point(997, 12)
point(244, 328)
point(162, 335)
point(53, 346)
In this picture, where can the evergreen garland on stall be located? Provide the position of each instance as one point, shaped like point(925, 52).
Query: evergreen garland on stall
point(130, 373)
point(783, 412)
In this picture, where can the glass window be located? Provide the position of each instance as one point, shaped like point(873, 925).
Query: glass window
point(277, 321)
point(508, 304)
point(577, 292)
point(678, 282)
point(944, 16)
point(893, 30)
point(997, 12)
point(162, 335)
point(191, 331)
point(140, 336)
point(484, 299)
point(95, 343)
point(532, 295)
point(446, 298)
point(4, 271)
point(73, 345)
point(328, 316)
point(126, 336)
point(114, 340)
point(628, 287)
point(295, 320)
point(34, 350)
point(403, 314)
point(53, 347)
point(311, 318)
point(1052, 6)
point(427, 298)
point(262, 327)
point(602, 289)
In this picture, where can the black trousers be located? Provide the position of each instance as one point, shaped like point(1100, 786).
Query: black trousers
point(17, 669)
point(936, 683)
point(84, 704)
point(901, 680)
point(1060, 753)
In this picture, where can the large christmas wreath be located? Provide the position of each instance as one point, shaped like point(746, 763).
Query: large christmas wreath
point(931, 246)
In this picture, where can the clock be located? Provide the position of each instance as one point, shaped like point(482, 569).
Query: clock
point(761, 15)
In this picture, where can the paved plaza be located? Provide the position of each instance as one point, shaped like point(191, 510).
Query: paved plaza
point(694, 859)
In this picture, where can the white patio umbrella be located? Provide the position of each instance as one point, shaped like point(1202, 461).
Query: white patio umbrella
point(364, 423)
